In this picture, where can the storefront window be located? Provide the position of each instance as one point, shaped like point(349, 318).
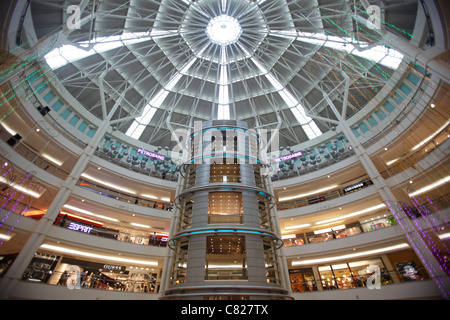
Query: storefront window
point(362, 270)
point(377, 222)
point(40, 268)
point(326, 278)
point(342, 276)
point(339, 231)
point(302, 280)
point(409, 271)
point(103, 276)
point(352, 275)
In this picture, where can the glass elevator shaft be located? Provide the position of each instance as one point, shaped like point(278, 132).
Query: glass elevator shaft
point(225, 241)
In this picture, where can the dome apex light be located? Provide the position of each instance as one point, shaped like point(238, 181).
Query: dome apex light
point(224, 30)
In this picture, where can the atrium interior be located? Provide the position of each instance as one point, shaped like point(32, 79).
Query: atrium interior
point(225, 149)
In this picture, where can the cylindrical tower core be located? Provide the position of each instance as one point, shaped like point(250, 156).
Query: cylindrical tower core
point(225, 242)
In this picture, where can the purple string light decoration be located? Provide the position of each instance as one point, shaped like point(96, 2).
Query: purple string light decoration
point(417, 242)
point(21, 182)
point(434, 226)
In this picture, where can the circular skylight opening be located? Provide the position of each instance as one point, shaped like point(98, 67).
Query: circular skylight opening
point(224, 30)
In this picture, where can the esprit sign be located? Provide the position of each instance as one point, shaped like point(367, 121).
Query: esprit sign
point(79, 227)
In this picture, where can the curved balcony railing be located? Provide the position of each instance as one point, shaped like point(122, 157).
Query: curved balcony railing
point(171, 176)
point(415, 99)
point(132, 237)
point(26, 152)
point(299, 169)
point(84, 226)
point(384, 220)
point(325, 196)
point(85, 184)
point(412, 157)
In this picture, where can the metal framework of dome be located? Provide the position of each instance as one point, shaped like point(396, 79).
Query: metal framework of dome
point(159, 62)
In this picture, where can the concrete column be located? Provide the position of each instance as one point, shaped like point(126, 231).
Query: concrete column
point(390, 268)
point(317, 277)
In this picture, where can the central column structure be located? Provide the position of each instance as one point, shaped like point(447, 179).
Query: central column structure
point(225, 237)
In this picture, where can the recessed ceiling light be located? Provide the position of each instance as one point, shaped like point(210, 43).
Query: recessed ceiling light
point(430, 186)
point(318, 191)
point(353, 214)
point(89, 213)
point(93, 255)
point(298, 226)
point(52, 159)
point(88, 177)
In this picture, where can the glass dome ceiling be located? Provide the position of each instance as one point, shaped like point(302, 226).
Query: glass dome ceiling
point(223, 30)
point(268, 63)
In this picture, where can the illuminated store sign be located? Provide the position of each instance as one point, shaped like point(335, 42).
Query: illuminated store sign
point(355, 187)
point(112, 267)
point(79, 227)
point(150, 154)
point(289, 156)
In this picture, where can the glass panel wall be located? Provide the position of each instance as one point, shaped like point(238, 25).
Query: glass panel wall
point(225, 173)
point(186, 207)
point(264, 211)
point(225, 208)
point(352, 275)
point(180, 262)
point(225, 258)
point(303, 280)
point(270, 261)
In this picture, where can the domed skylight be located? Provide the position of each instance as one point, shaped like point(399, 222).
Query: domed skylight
point(271, 64)
point(224, 30)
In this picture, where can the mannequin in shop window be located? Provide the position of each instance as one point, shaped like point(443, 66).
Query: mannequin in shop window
point(88, 280)
point(63, 279)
